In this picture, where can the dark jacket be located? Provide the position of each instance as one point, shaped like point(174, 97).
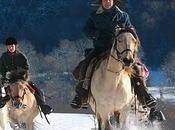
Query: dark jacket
point(102, 24)
point(10, 62)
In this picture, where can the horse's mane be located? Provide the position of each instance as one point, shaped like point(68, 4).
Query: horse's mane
point(16, 75)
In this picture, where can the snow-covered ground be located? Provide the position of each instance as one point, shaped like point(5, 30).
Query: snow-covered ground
point(64, 121)
point(164, 93)
point(69, 121)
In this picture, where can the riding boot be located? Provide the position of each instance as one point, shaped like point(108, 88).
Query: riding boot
point(80, 98)
point(3, 100)
point(46, 109)
point(156, 115)
point(140, 89)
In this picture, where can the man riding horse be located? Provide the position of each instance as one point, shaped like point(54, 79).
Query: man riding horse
point(13, 60)
point(101, 27)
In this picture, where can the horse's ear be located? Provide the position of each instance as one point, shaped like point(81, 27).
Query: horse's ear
point(117, 30)
point(133, 30)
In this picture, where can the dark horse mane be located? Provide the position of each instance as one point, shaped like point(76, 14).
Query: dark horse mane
point(16, 75)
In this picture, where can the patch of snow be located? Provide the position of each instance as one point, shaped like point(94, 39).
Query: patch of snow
point(63, 121)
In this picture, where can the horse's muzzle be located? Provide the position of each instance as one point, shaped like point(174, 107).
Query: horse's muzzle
point(128, 61)
point(17, 105)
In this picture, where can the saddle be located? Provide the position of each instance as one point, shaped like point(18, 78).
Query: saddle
point(93, 65)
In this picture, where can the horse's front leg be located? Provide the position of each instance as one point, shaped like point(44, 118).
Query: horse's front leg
point(2, 123)
point(3, 117)
point(2, 126)
point(117, 118)
point(108, 125)
point(99, 123)
point(29, 125)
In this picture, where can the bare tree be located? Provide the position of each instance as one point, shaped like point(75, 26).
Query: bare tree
point(2, 48)
point(168, 68)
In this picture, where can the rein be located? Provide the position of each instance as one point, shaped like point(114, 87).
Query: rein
point(20, 97)
point(15, 104)
point(119, 54)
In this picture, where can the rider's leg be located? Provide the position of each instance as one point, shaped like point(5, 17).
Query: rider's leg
point(81, 92)
point(145, 98)
point(46, 109)
point(156, 115)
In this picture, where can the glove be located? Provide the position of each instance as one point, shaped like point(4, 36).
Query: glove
point(95, 34)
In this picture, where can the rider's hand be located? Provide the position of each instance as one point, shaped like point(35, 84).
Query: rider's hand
point(96, 34)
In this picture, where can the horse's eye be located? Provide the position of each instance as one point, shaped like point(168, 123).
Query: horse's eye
point(119, 40)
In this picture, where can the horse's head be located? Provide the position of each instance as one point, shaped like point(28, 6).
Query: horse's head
point(125, 46)
point(17, 92)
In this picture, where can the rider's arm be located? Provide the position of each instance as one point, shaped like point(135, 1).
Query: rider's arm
point(24, 62)
point(2, 66)
point(90, 30)
point(125, 20)
point(122, 19)
point(24, 66)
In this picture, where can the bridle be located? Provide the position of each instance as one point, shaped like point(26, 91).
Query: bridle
point(119, 54)
point(14, 100)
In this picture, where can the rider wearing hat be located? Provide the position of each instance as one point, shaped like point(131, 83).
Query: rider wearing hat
point(12, 60)
point(101, 27)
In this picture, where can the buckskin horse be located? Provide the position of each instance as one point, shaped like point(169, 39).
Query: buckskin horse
point(22, 107)
point(110, 84)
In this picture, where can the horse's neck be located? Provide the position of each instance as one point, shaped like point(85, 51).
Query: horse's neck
point(113, 65)
point(111, 71)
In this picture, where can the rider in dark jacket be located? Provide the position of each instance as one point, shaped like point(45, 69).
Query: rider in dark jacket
point(100, 27)
point(12, 60)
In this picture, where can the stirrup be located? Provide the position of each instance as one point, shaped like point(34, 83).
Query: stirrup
point(84, 106)
point(151, 103)
point(76, 102)
point(75, 105)
point(46, 109)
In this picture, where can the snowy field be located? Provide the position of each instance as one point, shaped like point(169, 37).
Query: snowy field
point(74, 122)
point(69, 121)
point(164, 93)
point(59, 121)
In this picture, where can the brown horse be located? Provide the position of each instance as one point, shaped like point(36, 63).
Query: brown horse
point(22, 107)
